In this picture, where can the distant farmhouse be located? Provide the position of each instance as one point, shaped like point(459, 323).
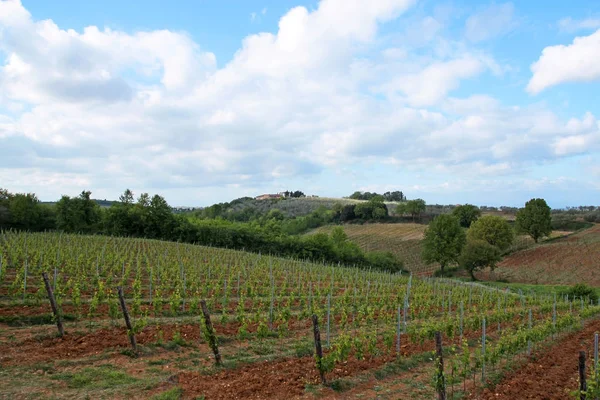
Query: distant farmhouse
point(269, 196)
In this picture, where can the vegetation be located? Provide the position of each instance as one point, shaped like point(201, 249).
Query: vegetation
point(387, 196)
point(466, 214)
point(477, 255)
point(151, 217)
point(535, 219)
point(443, 241)
point(413, 207)
point(582, 291)
point(492, 229)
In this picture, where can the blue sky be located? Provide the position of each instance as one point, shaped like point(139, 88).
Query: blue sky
point(490, 103)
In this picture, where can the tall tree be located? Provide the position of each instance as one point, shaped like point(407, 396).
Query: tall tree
point(466, 214)
point(492, 229)
point(535, 219)
point(443, 241)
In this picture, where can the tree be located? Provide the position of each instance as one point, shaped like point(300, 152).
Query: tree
point(466, 214)
point(443, 241)
point(535, 219)
point(348, 212)
point(477, 255)
point(493, 230)
point(415, 207)
point(24, 211)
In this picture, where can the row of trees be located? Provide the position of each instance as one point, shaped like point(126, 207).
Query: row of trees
point(387, 196)
point(447, 240)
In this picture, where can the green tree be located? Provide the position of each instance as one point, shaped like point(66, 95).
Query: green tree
point(493, 230)
point(477, 255)
point(415, 208)
point(24, 211)
point(443, 241)
point(535, 219)
point(5, 197)
point(466, 214)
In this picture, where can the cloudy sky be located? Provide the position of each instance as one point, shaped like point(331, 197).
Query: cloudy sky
point(200, 101)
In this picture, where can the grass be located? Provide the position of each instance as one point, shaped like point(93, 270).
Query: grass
point(30, 320)
point(171, 394)
point(102, 377)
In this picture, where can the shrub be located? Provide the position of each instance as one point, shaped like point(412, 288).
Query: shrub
point(582, 291)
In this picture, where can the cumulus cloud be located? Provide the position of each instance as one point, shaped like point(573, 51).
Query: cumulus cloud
point(577, 62)
point(106, 109)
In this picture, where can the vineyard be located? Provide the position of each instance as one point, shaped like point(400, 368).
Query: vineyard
point(568, 260)
point(404, 240)
point(197, 321)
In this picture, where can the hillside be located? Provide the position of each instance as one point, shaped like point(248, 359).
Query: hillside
point(404, 240)
point(295, 207)
point(567, 260)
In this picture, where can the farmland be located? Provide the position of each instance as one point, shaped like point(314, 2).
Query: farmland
point(375, 327)
point(403, 240)
point(562, 261)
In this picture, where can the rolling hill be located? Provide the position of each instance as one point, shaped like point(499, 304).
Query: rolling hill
point(565, 260)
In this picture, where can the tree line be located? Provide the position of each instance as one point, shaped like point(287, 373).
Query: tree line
point(387, 196)
point(474, 242)
point(152, 217)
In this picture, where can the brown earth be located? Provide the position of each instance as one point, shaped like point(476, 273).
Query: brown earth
point(552, 375)
point(568, 260)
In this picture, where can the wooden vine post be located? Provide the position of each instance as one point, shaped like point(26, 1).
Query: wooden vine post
point(440, 380)
point(318, 348)
point(127, 320)
point(54, 306)
point(582, 381)
point(209, 333)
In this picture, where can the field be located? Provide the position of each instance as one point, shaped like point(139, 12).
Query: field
point(404, 240)
point(377, 329)
point(563, 261)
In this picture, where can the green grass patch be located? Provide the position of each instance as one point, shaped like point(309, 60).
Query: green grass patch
point(171, 394)
point(101, 377)
point(30, 320)
point(531, 288)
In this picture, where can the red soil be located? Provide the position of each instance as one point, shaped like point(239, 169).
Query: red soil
point(552, 375)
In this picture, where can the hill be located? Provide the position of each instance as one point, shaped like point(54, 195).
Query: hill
point(291, 207)
point(403, 240)
point(565, 260)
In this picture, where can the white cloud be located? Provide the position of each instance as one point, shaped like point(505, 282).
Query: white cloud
point(430, 85)
point(106, 109)
point(577, 62)
point(495, 20)
point(573, 25)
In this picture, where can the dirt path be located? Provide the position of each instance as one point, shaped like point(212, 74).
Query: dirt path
point(552, 375)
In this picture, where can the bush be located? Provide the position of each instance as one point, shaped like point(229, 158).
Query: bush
point(568, 222)
point(582, 291)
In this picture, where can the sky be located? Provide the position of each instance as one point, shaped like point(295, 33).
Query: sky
point(465, 101)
